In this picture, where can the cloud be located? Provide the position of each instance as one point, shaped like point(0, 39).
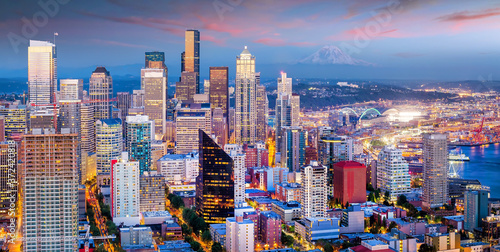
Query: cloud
point(469, 15)
point(408, 54)
point(217, 41)
point(282, 42)
point(116, 43)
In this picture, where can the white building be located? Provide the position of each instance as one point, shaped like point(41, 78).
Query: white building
point(392, 172)
point(179, 167)
point(435, 186)
point(42, 72)
point(190, 118)
point(125, 187)
point(71, 89)
point(239, 234)
point(239, 177)
point(246, 99)
point(154, 84)
point(313, 197)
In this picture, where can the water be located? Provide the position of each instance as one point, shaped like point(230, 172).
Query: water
point(484, 165)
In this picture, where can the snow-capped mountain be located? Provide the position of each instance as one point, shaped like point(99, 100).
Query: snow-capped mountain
point(331, 54)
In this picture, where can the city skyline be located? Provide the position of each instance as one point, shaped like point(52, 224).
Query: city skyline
point(410, 40)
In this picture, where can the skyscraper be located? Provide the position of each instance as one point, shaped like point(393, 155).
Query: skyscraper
point(186, 88)
point(287, 107)
point(475, 208)
point(154, 84)
point(284, 85)
point(293, 148)
point(192, 55)
point(262, 112)
point(18, 119)
point(191, 117)
point(152, 192)
point(219, 126)
point(123, 102)
point(71, 89)
point(392, 172)
point(435, 187)
point(70, 118)
point(87, 127)
point(246, 99)
point(155, 60)
point(215, 182)
point(219, 94)
point(100, 92)
point(49, 191)
point(42, 72)
point(124, 187)
point(313, 198)
point(138, 140)
point(8, 163)
point(109, 146)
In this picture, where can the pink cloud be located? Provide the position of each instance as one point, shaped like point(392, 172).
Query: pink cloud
point(217, 41)
point(282, 42)
point(469, 15)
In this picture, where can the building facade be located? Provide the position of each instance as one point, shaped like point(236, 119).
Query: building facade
point(42, 72)
point(101, 92)
point(313, 196)
point(392, 172)
point(435, 186)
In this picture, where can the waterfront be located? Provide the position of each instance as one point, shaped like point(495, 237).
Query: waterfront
point(484, 165)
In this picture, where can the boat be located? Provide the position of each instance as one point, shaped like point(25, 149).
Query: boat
point(458, 157)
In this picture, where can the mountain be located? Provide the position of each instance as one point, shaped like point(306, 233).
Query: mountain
point(331, 54)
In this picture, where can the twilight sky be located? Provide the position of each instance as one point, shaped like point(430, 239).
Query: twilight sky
point(415, 39)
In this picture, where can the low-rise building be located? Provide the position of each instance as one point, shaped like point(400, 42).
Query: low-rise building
point(456, 221)
point(287, 192)
point(353, 220)
point(475, 247)
point(154, 217)
point(409, 226)
point(136, 238)
point(288, 211)
point(371, 245)
point(171, 230)
point(314, 229)
point(449, 242)
point(399, 241)
point(270, 229)
point(388, 212)
point(491, 227)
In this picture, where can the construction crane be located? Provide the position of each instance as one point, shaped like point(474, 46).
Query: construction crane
point(478, 131)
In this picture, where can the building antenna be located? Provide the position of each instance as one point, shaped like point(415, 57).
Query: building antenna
point(55, 34)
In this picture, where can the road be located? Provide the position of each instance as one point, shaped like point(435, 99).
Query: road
point(173, 211)
point(99, 219)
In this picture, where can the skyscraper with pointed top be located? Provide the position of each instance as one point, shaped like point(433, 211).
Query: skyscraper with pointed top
point(246, 99)
point(101, 92)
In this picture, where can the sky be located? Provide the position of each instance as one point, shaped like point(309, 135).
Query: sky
point(401, 39)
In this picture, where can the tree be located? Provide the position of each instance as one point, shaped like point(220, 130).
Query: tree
point(286, 239)
point(206, 236)
point(328, 247)
point(426, 248)
point(371, 197)
point(401, 200)
point(195, 245)
point(177, 202)
point(94, 230)
point(100, 248)
point(186, 230)
point(387, 195)
point(216, 247)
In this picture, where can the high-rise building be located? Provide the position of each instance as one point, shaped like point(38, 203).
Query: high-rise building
point(350, 182)
point(152, 192)
point(435, 187)
point(138, 140)
point(293, 148)
point(109, 146)
point(215, 182)
point(2, 128)
point(219, 94)
point(42, 72)
point(239, 169)
point(239, 234)
point(262, 112)
point(270, 229)
point(179, 166)
point(185, 89)
point(246, 99)
point(393, 175)
point(101, 92)
point(206, 87)
point(8, 173)
point(219, 126)
point(475, 208)
point(313, 198)
point(287, 107)
point(49, 184)
point(190, 118)
point(154, 84)
point(333, 149)
point(138, 98)
point(192, 55)
point(18, 119)
point(87, 127)
point(123, 102)
point(284, 85)
point(71, 89)
point(155, 60)
point(70, 118)
point(124, 187)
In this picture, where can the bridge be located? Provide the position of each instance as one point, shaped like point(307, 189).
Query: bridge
point(348, 111)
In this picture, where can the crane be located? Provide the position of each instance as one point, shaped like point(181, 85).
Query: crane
point(478, 131)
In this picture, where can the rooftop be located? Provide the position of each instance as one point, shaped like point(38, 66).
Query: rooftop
point(156, 214)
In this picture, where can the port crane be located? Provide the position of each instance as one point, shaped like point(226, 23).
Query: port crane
point(478, 131)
